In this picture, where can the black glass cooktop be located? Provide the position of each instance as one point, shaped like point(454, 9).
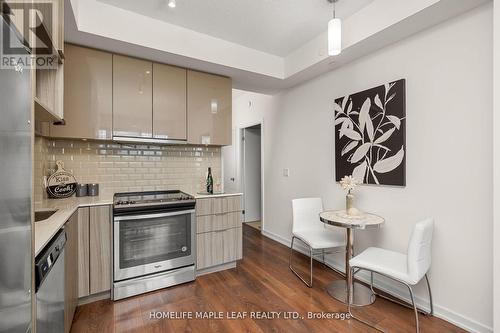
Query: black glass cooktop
point(150, 198)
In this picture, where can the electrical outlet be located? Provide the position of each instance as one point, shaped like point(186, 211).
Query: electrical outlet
point(286, 172)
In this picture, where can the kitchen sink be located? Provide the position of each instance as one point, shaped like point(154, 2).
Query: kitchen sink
point(42, 215)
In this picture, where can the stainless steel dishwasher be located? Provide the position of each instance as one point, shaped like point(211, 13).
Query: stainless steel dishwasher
point(49, 267)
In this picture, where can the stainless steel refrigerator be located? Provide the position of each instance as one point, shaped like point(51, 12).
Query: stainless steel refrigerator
point(16, 137)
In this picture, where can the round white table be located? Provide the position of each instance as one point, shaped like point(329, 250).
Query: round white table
point(360, 294)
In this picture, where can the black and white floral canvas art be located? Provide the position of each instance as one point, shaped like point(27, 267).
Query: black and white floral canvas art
point(370, 140)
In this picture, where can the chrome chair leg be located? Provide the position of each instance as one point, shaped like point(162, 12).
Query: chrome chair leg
point(414, 306)
point(311, 264)
point(430, 296)
point(349, 303)
point(291, 253)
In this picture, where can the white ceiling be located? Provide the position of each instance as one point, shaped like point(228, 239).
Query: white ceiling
point(101, 25)
point(273, 26)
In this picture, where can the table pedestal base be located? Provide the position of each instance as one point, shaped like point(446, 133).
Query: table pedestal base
point(362, 295)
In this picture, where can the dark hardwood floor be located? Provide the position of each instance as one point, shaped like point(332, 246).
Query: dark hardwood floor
point(263, 282)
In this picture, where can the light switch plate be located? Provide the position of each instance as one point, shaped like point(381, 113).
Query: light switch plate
point(286, 172)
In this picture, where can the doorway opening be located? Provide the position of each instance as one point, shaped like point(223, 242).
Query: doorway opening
point(251, 151)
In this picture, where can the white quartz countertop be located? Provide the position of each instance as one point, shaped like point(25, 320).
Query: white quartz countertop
point(215, 195)
point(45, 230)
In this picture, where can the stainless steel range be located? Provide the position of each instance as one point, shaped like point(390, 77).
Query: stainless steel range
point(154, 241)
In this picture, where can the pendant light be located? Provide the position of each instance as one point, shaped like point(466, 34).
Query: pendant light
point(334, 33)
point(171, 3)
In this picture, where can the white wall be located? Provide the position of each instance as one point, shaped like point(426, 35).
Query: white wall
point(449, 162)
point(496, 164)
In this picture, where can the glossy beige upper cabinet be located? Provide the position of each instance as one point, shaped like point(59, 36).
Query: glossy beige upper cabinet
point(169, 102)
point(209, 108)
point(87, 95)
point(132, 97)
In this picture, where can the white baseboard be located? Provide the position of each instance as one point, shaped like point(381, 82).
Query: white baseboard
point(397, 291)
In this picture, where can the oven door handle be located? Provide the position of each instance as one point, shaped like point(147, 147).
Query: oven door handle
point(152, 216)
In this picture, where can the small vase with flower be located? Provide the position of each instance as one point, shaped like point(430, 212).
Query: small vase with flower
point(348, 183)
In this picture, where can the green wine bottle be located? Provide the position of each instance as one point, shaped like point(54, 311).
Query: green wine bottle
point(210, 182)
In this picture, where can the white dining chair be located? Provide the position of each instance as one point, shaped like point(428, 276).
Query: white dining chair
point(407, 269)
point(307, 227)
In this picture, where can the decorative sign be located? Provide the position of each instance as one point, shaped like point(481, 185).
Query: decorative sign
point(370, 139)
point(61, 184)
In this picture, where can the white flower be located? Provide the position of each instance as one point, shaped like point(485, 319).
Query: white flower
point(349, 183)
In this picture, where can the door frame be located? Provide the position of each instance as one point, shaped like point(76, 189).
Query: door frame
point(241, 166)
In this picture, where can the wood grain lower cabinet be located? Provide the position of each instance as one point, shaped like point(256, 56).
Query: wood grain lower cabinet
point(232, 244)
point(218, 231)
point(71, 271)
point(100, 249)
point(218, 222)
point(83, 252)
point(218, 247)
point(94, 250)
point(209, 249)
point(218, 205)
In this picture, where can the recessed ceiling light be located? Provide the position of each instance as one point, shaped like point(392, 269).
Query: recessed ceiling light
point(171, 3)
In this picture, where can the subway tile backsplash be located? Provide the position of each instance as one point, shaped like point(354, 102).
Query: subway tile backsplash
point(127, 167)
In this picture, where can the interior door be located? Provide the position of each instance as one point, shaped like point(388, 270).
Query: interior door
point(252, 173)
